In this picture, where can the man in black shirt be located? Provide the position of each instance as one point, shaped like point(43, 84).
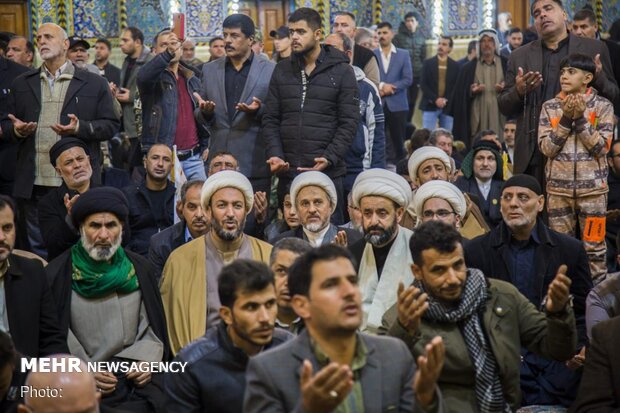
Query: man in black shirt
point(151, 204)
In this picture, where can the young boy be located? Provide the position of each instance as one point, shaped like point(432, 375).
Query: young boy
point(575, 131)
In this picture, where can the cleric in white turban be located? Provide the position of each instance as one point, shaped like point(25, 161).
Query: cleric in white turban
point(314, 178)
point(189, 280)
point(227, 179)
point(438, 163)
point(383, 255)
point(440, 200)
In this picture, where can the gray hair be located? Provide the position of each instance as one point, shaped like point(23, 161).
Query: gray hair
point(347, 43)
point(187, 186)
point(362, 34)
point(294, 245)
point(432, 139)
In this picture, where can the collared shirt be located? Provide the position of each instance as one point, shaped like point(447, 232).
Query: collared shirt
point(484, 187)
point(234, 82)
point(316, 238)
point(387, 59)
point(51, 77)
point(354, 403)
point(523, 267)
point(551, 68)
point(294, 327)
point(188, 235)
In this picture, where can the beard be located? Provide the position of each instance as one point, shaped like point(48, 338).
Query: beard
point(305, 50)
point(226, 235)
point(99, 253)
point(383, 237)
point(316, 226)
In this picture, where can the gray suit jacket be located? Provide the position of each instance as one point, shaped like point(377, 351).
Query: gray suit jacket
point(241, 138)
point(272, 377)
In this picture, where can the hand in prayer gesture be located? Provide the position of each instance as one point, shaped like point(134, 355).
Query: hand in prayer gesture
point(320, 165)
point(260, 206)
point(69, 202)
point(579, 106)
point(22, 128)
point(558, 293)
point(251, 108)
point(429, 369)
point(70, 129)
point(341, 239)
point(206, 106)
point(277, 164)
point(411, 305)
point(568, 106)
point(324, 391)
point(525, 83)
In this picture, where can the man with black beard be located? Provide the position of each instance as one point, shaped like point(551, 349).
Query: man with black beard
point(383, 255)
point(189, 286)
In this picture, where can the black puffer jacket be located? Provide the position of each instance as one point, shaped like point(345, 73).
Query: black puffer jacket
point(323, 124)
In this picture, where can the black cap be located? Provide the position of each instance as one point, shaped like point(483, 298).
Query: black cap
point(76, 40)
point(280, 33)
point(64, 144)
point(101, 199)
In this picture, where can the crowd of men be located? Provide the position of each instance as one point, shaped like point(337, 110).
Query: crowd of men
point(281, 228)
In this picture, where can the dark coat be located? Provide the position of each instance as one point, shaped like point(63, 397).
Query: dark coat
point(430, 82)
point(459, 107)
point(32, 314)
point(112, 74)
point(415, 44)
point(527, 109)
point(601, 375)
point(614, 55)
point(214, 379)
point(8, 150)
point(159, 96)
point(163, 243)
point(361, 56)
point(143, 224)
point(324, 124)
point(352, 235)
point(58, 233)
point(490, 207)
point(88, 97)
point(59, 276)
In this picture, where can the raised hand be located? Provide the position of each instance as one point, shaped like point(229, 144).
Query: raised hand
point(320, 165)
point(525, 83)
point(579, 106)
point(277, 164)
point(411, 306)
point(598, 64)
point(69, 202)
point(324, 391)
point(568, 105)
point(206, 106)
point(260, 206)
point(429, 369)
point(23, 128)
point(251, 108)
point(558, 293)
point(70, 129)
point(341, 239)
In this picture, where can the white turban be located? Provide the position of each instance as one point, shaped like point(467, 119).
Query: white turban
point(227, 179)
point(424, 154)
point(439, 189)
point(381, 182)
point(314, 178)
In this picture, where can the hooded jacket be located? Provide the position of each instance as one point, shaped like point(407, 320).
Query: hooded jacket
point(415, 44)
point(320, 120)
point(575, 150)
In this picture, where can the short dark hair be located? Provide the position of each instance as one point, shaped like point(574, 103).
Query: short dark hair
point(310, 16)
point(511, 120)
point(433, 234)
point(471, 46)
point(242, 275)
point(449, 39)
point(579, 61)
point(187, 186)
point(136, 34)
point(165, 30)
point(240, 21)
point(214, 39)
point(346, 13)
point(300, 273)
point(7, 201)
point(558, 2)
point(29, 45)
point(296, 245)
point(585, 14)
point(514, 30)
point(104, 41)
point(384, 24)
point(8, 354)
point(413, 14)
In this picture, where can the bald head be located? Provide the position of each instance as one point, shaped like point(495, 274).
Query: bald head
point(78, 391)
point(53, 42)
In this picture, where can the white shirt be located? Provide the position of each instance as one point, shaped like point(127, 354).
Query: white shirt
point(484, 187)
point(316, 238)
point(386, 59)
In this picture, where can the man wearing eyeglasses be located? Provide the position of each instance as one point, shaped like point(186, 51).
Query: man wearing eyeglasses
point(527, 253)
point(442, 201)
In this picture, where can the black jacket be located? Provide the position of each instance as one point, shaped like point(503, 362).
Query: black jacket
point(214, 379)
point(361, 56)
point(163, 243)
point(8, 150)
point(490, 207)
point(429, 82)
point(88, 97)
point(58, 234)
point(59, 276)
point(143, 224)
point(352, 235)
point(32, 314)
point(323, 124)
point(459, 107)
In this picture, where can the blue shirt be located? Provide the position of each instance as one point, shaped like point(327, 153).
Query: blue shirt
point(188, 236)
point(523, 267)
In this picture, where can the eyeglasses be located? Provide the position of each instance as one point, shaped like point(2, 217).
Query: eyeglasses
point(441, 214)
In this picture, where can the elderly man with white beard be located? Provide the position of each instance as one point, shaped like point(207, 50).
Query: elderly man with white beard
point(108, 302)
point(383, 255)
point(189, 284)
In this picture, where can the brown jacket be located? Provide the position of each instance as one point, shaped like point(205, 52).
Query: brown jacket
point(575, 150)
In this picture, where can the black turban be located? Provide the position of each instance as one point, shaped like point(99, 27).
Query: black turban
point(102, 199)
point(62, 145)
point(525, 181)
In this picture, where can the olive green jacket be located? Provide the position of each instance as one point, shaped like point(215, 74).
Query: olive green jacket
point(510, 321)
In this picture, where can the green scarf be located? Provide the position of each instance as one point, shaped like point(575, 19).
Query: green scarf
point(95, 279)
